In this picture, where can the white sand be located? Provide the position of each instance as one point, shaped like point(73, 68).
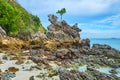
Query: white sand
point(25, 73)
point(21, 74)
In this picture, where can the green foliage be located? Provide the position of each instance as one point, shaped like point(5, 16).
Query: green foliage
point(45, 30)
point(36, 22)
point(16, 20)
point(61, 12)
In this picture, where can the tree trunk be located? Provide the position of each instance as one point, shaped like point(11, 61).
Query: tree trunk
point(61, 17)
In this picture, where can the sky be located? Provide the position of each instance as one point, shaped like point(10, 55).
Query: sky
point(96, 18)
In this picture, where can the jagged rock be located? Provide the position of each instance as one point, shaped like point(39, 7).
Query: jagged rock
point(52, 19)
point(74, 75)
point(63, 53)
point(68, 53)
point(51, 45)
point(75, 27)
point(99, 46)
point(107, 50)
point(101, 76)
point(85, 42)
point(39, 34)
point(68, 30)
point(61, 30)
point(75, 53)
point(58, 35)
point(2, 32)
point(11, 43)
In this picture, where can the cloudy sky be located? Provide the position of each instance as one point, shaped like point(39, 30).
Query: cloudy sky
point(96, 18)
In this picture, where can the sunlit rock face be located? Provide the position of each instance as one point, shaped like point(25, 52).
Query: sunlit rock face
point(10, 43)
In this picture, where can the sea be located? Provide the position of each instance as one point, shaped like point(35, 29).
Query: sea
point(113, 42)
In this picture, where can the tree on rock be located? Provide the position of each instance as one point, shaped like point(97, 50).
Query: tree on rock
point(61, 12)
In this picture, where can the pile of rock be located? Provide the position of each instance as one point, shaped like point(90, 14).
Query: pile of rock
point(90, 74)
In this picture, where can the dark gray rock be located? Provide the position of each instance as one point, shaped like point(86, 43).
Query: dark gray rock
point(100, 76)
point(106, 50)
point(58, 35)
point(113, 71)
point(63, 53)
point(75, 27)
point(100, 46)
point(7, 76)
point(74, 75)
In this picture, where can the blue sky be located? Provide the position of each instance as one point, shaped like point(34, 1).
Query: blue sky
point(96, 18)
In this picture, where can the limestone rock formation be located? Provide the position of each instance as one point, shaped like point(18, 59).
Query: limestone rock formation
point(39, 34)
point(61, 30)
point(10, 43)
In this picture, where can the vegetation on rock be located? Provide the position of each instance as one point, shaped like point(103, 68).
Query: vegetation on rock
point(61, 12)
point(16, 20)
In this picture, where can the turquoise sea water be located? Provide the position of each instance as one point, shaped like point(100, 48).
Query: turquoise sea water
point(113, 42)
point(105, 70)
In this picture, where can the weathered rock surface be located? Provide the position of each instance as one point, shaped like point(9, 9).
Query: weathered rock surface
point(74, 75)
point(7, 76)
point(61, 30)
point(96, 75)
point(106, 50)
point(63, 53)
point(63, 46)
point(39, 34)
point(2, 32)
point(11, 43)
point(90, 74)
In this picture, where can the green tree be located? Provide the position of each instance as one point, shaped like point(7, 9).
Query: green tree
point(15, 20)
point(61, 12)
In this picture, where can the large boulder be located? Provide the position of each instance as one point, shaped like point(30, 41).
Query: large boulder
point(2, 32)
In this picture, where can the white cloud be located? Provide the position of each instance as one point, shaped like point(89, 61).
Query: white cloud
point(105, 28)
point(113, 20)
point(82, 8)
point(75, 7)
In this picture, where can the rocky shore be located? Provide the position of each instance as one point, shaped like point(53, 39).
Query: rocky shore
point(59, 54)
